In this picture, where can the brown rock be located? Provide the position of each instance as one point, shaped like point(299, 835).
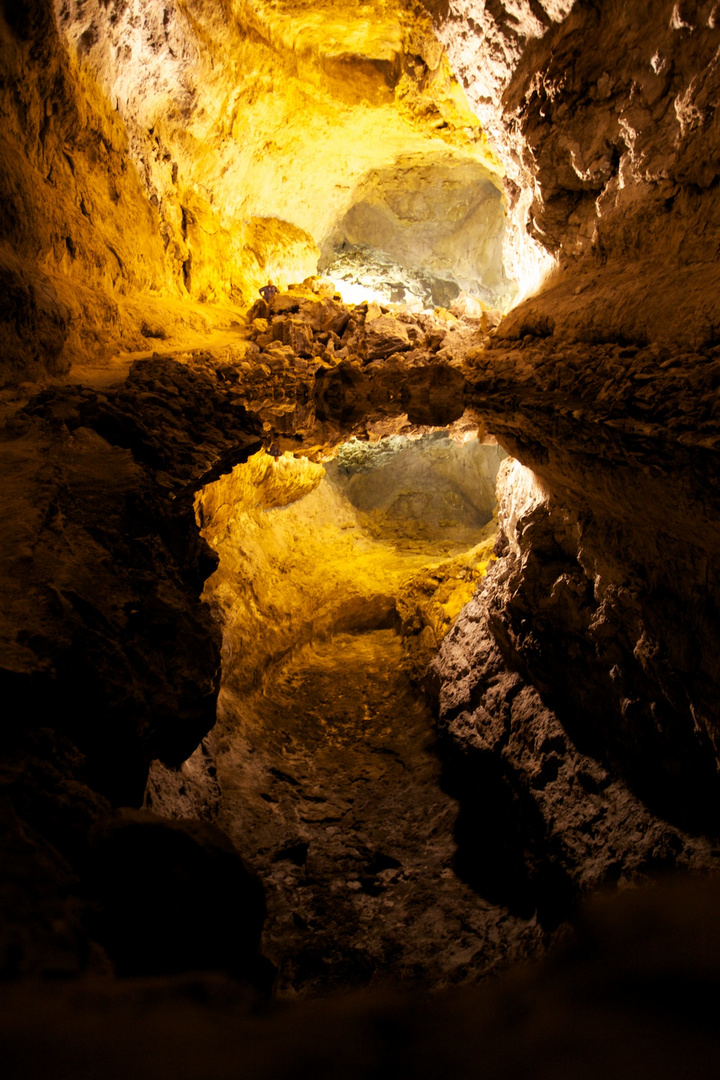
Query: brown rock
point(385, 335)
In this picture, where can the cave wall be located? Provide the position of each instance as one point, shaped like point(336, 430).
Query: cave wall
point(437, 215)
point(162, 163)
point(600, 618)
point(604, 598)
point(77, 231)
point(610, 154)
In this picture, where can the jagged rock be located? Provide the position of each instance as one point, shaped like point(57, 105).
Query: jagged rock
point(579, 687)
point(543, 759)
point(385, 335)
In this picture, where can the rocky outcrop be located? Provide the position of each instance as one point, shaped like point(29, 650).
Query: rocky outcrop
point(632, 538)
point(105, 639)
point(442, 221)
point(609, 154)
point(541, 721)
point(578, 689)
point(109, 660)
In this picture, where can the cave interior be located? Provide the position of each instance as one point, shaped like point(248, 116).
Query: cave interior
point(360, 636)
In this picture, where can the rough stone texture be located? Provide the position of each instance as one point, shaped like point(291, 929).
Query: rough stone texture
point(543, 811)
point(580, 687)
point(341, 809)
point(105, 641)
point(610, 155)
point(621, 555)
point(108, 658)
point(154, 155)
point(303, 554)
point(442, 217)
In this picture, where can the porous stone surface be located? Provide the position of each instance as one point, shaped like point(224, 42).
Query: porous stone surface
point(609, 154)
point(157, 161)
point(544, 810)
point(105, 639)
point(331, 785)
point(578, 690)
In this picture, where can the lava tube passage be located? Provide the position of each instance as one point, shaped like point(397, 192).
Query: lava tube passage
point(335, 584)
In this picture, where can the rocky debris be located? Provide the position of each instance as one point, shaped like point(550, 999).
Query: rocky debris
point(364, 332)
point(174, 895)
point(318, 370)
point(385, 335)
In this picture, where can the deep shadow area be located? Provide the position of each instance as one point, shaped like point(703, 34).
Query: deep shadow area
point(503, 850)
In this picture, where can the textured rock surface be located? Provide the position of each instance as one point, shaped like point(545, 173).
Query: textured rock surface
point(579, 687)
point(154, 155)
point(440, 216)
point(108, 658)
point(331, 785)
point(543, 811)
point(302, 555)
point(610, 155)
point(626, 586)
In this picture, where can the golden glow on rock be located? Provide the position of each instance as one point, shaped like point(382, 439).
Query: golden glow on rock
point(298, 561)
point(253, 125)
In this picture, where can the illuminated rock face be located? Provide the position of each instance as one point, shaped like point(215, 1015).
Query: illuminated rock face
point(441, 216)
point(162, 154)
point(154, 157)
point(610, 154)
point(302, 555)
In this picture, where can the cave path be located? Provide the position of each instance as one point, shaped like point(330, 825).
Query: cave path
point(331, 790)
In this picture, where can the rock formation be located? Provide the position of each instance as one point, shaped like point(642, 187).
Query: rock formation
point(195, 502)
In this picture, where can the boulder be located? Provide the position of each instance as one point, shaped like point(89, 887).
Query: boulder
point(284, 304)
point(298, 335)
point(385, 335)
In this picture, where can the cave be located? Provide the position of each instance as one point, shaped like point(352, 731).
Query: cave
point(360, 636)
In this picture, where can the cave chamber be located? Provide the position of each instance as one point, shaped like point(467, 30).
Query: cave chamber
point(359, 641)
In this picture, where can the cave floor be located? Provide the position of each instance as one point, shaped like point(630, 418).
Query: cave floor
point(331, 786)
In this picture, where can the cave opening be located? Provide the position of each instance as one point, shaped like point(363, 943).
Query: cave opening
point(423, 233)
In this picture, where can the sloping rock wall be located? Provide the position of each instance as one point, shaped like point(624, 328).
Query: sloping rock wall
point(610, 153)
point(76, 229)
